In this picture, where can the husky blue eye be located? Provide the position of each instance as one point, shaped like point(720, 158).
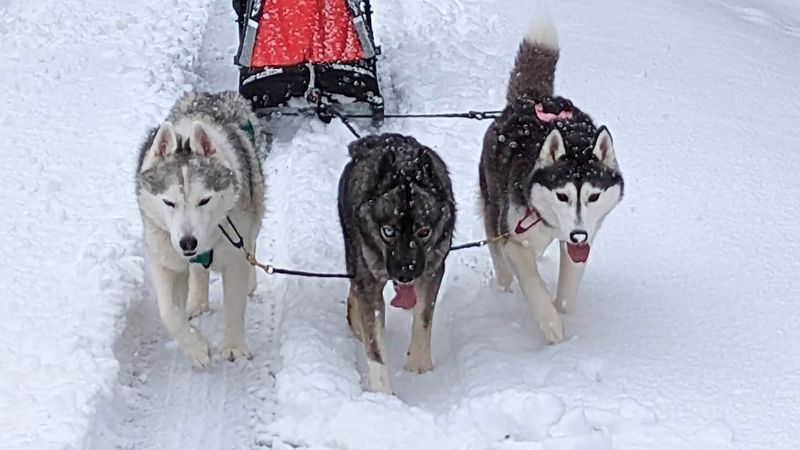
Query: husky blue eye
point(562, 197)
point(594, 197)
point(204, 201)
point(387, 231)
point(168, 203)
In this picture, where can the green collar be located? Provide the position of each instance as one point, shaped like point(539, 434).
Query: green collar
point(204, 259)
point(249, 131)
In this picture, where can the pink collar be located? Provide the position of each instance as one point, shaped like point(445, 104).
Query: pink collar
point(531, 216)
point(550, 117)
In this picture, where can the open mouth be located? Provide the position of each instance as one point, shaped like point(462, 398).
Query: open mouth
point(189, 254)
point(405, 296)
point(578, 253)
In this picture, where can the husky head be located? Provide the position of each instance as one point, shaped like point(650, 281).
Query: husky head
point(408, 220)
point(186, 184)
point(574, 191)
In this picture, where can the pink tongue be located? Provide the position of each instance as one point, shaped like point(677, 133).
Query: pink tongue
point(578, 253)
point(405, 297)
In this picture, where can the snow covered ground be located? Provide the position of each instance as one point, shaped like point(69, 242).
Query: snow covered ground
point(687, 327)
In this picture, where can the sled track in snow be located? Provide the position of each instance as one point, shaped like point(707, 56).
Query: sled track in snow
point(159, 400)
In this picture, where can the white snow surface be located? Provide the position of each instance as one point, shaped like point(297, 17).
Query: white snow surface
point(686, 333)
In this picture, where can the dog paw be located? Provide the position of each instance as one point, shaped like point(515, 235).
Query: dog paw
point(564, 306)
point(200, 353)
point(550, 323)
point(504, 289)
point(418, 365)
point(504, 282)
point(196, 309)
point(232, 352)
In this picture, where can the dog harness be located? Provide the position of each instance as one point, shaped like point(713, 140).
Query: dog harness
point(249, 131)
point(544, 116)
point(528, 221)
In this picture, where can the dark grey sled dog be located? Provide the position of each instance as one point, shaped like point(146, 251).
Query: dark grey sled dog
point(397, 213)
point(547, 172)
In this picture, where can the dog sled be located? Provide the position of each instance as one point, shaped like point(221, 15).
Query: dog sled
point(308, 56)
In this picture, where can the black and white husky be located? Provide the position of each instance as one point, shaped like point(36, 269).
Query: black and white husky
point(547, 172)
point(199, 168)
point(397, 213)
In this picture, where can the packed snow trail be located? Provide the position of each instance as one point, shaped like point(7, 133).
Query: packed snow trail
point(160, 402)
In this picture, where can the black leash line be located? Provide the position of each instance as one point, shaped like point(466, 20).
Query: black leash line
point(345, 119)
point(476, 115)
point(480, 243)
point(270, 269)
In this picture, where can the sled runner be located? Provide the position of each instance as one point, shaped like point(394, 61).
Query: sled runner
point(296, 54)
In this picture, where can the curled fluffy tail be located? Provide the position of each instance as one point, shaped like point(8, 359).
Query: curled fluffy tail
point(535, 66)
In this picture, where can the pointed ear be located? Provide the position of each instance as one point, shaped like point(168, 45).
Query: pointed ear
point(164, 143)
point(386, 163)
point(201, 141)
point(604, 148)
point(553, 148)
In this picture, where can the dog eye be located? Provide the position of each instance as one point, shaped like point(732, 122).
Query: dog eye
point(204, 201)
point(594, 197)
point(424, 232)
point(387, 231)
point(562, 197)
point(168, 203)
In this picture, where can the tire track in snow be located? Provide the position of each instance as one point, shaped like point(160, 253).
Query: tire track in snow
point(160, 401)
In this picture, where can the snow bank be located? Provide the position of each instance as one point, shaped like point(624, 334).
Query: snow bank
point(80, 81)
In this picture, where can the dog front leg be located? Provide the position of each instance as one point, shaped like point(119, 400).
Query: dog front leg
point(570, 275)
point(235, 279)
point(419, 351)
point(198, 291)
point(501, 270)
point(171, 289)
point(354, 313)
point(371, 307)
point(523, 262)
point(252, 284)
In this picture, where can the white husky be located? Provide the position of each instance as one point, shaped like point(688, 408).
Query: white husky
point(198, 172)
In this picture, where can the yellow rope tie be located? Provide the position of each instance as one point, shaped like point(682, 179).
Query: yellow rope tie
point(497, 238)
point(254, 262)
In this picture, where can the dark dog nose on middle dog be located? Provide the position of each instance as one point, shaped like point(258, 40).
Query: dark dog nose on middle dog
point(405, 278)
point(578, 236)
point(188, 243)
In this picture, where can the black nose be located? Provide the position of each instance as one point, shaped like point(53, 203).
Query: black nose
point(578, 236)
point(405, 278)
point(188, 243)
